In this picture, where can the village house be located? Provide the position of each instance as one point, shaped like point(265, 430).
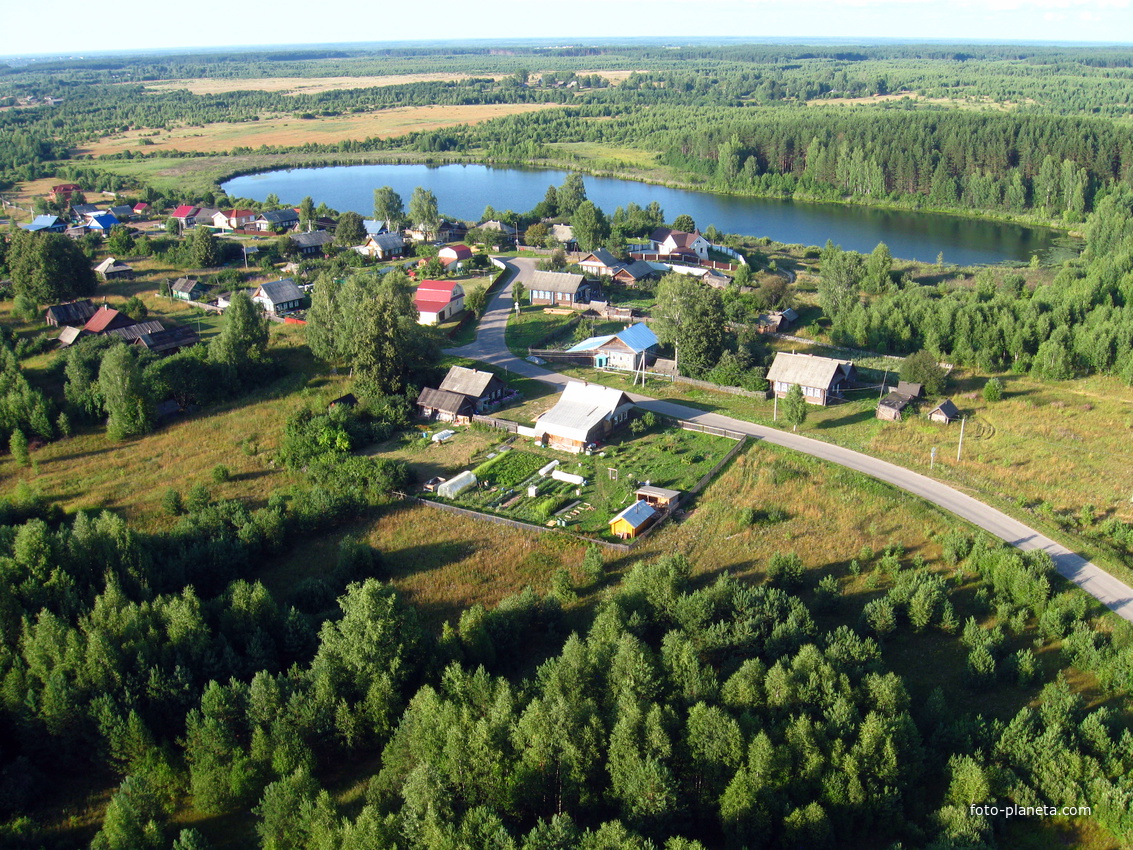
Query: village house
point(110, 268)
point(280, 296)
point(122, 212)
point(584, 414)
point(438, 301)
point(46, 224)
point(63, 192)
point(482, 388)
point(564, 235)
point(233, 219)
point(101, 222)
point(633, 520)
point(83, 211)
point(445, 231)
point(73, 313)
point(276, 220)
point(628, 349)
point(130, 333)
point(454, 255)
point(558, 289)
point(601, 263)
point(309, 244)
point(635, 272)
point(945, 413)
point(892, 407)
point(822, 379)
point(446, 406)
point(678, 244)
point(777, 321)
point(188, 289)
point(168, 340)
point(383, 246)
point(185, 215)
point(107, 319)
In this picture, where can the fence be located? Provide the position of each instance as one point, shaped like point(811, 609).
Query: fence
point(708, 385)
point(493, 422)
point(712, 429)
point(653, 257)
point(567, 327)
point(741, 441)
point(515, 523)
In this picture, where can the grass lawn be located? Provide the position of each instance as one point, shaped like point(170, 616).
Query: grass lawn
point(534, 328)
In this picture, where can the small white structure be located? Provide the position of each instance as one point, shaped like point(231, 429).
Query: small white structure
point(441, 436)
point(568, 477)
point(546, 470)
point(457, 485)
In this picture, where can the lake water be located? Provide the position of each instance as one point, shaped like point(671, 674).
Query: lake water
point(463, 191)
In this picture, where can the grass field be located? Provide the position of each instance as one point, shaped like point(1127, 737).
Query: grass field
point(532, 327)
point(287, 130)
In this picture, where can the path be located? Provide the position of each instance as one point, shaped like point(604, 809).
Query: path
point(490, 347)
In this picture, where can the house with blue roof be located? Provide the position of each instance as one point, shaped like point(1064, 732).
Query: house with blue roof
point(629, 349)
point(46, 223)
point(102, 222)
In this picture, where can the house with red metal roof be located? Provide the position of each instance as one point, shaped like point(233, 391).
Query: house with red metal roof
point(186, 214)
point(107, 319)
point(452, 255)
point(438, 301)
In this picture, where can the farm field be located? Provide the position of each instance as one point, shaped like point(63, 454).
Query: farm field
point(303, 85)
point(289, 131)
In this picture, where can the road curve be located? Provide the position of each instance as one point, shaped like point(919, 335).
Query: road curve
point(491, 348)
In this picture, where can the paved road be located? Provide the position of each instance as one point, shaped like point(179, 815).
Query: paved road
point(489, 347)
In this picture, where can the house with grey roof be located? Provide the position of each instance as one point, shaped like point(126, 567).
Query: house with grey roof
point(822, 379)
point(281, 296)
point(382, 246)
point(584, 414)
point(446, 406)
point(312, 243)
point(73, 313)
point(110, 268)
point(558, 289)
point(285, 219)
point(188, 289)
point(482, 388)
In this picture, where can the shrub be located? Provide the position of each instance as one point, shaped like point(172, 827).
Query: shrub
point(198, 498)
point(220, 473)
point(594, 565)
point(993, 390)
point(18, 445)
point(171, 502)
point(785, 571)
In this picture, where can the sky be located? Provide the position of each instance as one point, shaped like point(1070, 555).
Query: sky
point(72, 29)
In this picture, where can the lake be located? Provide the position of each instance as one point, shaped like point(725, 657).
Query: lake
point(463, 191)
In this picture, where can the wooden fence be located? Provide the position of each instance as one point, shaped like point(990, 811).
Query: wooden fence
point(493, 422)
point(708, 385)
point(714, 471)
point(711, 429)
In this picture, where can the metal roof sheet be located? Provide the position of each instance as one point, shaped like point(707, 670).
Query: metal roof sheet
point(636, 514)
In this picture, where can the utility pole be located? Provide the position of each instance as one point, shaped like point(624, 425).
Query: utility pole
point(960, 447)
point(884, 379)
point(775, 411)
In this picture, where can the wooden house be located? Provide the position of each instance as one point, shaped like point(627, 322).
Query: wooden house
point(635, 272)
point(310, 244)
point(564, 235)
point(601, 263)
point(110, 269)
point(633, 520)
point(63, 192)
point(558, 289)
point(107, 319)
point(658, 498)
point(438, 301)
point(482, 388)
point(628, 349)
point(131, 333)
point(73, 313)
point(383, 246)
point(822, 379)
point(446, 406)
point(584, 414)
point(276, 220)
point(281, 296)
point(45, 224)
point(167, 340)
point(892, 407)
point(188, 289)
point(945, 412)
point(454, 255)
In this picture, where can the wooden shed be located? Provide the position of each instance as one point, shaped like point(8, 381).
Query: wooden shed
point(945, 412)
point(633, 520)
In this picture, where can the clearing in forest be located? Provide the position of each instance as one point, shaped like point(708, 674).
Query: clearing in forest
point(308, 85)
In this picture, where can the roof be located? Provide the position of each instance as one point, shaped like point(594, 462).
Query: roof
point(445, 401)
point(279, 216)
point(107, 318)
point(73, 312)
point(637, 514)
point(122, 211)
point(638, 269)
point(638, 338)
point(562, 232)
point(579, 408)
point(387, 241)
point(111, 265)
point(604, 257)
point(167, 339)
point(135, 330)
point(85, 209)
point(373, 226)
point(807, 370)
point(104, 221)
point(659, 492)
point(495, 224)
point(185, 211)
point(896, 401)
point(461, 252)
point(281, 291)
point(140, 206)
point(681, 238)
point(71, 334)
point(315, 239)
point(909, 389)
point(555, 282)
point(186, 285)
point(469, 382)
point(947, 408)
point(432, 295)
point(42, 222)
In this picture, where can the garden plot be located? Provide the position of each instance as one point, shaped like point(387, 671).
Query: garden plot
point(509, 482)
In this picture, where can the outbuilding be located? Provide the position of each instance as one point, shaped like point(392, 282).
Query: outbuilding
point(633, 520)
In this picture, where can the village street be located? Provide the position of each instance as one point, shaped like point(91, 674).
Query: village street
point(490, 347)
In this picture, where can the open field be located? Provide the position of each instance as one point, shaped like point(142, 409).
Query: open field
point(287, 130)
point(307, 85)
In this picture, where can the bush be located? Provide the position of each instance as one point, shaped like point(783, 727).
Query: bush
point(198, 498)
point(594, 565)
point(785, 571)
point(220, 473)
point(993, 390)
point(171, 502)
